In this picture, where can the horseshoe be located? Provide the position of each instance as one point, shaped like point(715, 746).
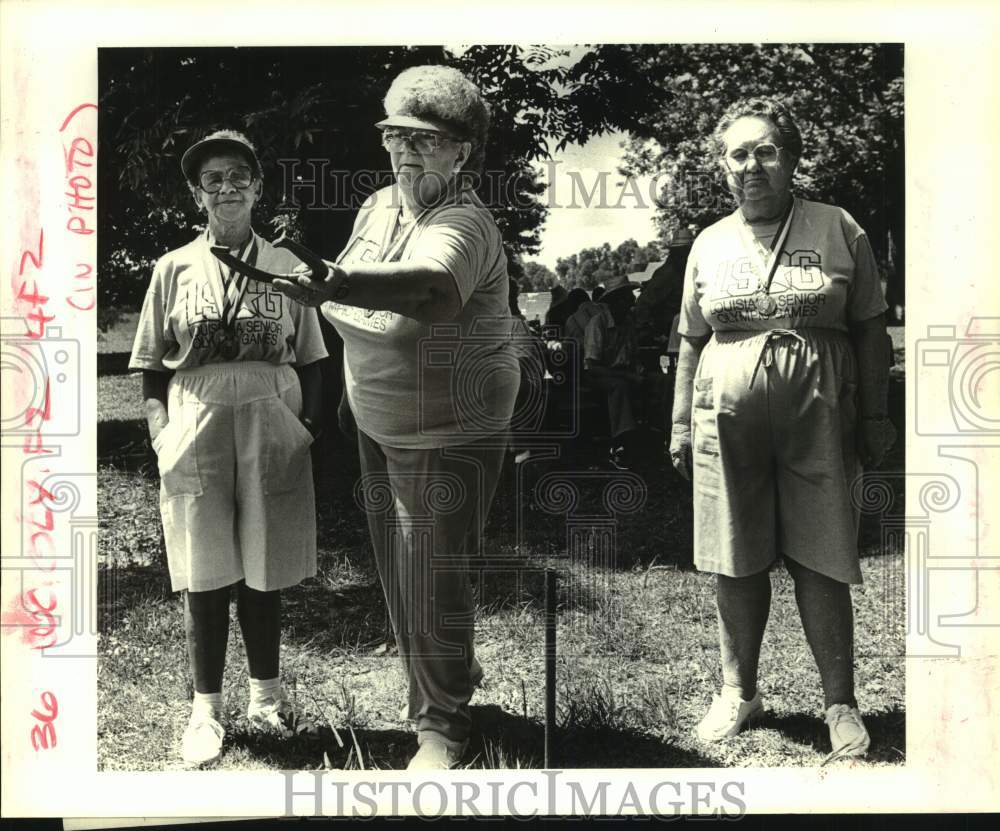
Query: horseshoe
point(312, 260)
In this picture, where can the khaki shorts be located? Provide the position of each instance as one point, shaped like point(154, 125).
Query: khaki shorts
point(236, 487)
point(773, 418)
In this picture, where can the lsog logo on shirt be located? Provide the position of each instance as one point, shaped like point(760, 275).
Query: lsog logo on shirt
point(798, 271)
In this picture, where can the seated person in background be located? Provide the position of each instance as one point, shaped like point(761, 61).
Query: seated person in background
point(554, 314)
point(611, 363)
point(660, 300)
point(556, 322)
point(567, 308)
point(570, 338)
point(576, 324)
point(561, 312)
point(529, 349)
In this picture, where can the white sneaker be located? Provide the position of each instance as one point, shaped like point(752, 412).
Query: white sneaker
point(201, 743)
point(728, 715)
point(848, 734)
point(275, 715)
point(437, 753)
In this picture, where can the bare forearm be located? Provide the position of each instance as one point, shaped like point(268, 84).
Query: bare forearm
point(154, 398)
point(687, 366)
point(871, 349)
point(422, 291)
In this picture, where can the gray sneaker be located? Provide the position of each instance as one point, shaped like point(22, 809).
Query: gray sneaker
point(273, 716)
point(201, 743)
point(728, 715)
point(848, 734)
point(437, 753)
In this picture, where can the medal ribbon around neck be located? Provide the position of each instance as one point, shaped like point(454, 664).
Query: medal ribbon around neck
point(392, 248)
point(766, 269)
point(234, 286)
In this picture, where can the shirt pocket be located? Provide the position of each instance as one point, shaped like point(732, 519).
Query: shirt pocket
point(176, 447)
point(288, 442)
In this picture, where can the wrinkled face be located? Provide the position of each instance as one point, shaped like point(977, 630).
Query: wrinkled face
point(756, 165)
point(424, 171)
point(233, 202)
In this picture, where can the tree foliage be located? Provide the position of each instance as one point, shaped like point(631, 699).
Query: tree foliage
point(595, 265)
point(538, 277)
point(311, 112)
point(847, 99)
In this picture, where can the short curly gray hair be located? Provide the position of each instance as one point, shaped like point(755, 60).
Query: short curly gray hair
point(768, 108)
point(443, 94)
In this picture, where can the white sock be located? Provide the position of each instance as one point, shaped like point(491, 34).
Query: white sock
point(208, 704)
point(264, 691)
point(734, 692)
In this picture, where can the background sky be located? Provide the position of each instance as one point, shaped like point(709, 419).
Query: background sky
point(571, 224)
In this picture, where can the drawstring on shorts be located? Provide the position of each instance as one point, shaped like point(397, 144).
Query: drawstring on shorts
point(766, 356)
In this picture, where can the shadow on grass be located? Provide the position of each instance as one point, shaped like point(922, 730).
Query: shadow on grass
point(125, 445)
point(499, 741)
point(123, 588)
point(887, 730)
point(349, 617)
point(502, 736)
point(377, 749)
point(113, 363)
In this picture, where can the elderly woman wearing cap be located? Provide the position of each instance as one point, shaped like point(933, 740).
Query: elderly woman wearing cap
point(231, 389)
point(432, 404)
point(781, 393)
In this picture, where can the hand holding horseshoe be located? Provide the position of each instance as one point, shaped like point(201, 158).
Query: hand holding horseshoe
point(302, 285)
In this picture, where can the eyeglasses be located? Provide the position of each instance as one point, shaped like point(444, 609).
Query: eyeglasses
point(420, 141)
point(765, 155)
point(239, 177)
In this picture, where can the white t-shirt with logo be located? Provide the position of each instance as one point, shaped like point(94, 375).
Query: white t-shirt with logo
point(181, 326)
point(418, 385)
point(826, 275)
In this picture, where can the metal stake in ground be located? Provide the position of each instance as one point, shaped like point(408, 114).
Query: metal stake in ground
point(550, 667)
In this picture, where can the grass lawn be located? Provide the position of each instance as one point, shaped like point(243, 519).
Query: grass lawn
point(638, 652)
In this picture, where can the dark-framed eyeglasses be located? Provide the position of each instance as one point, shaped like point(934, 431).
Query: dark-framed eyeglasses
point(425, 142)
point(240, 178)
point(766, 155)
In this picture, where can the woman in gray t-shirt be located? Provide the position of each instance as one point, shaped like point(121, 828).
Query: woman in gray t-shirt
point(420, 297)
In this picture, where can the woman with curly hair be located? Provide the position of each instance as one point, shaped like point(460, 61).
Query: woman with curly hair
point(420, 297)
point(780, 400)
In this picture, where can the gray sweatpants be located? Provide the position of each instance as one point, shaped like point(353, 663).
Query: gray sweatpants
point(426, 512)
